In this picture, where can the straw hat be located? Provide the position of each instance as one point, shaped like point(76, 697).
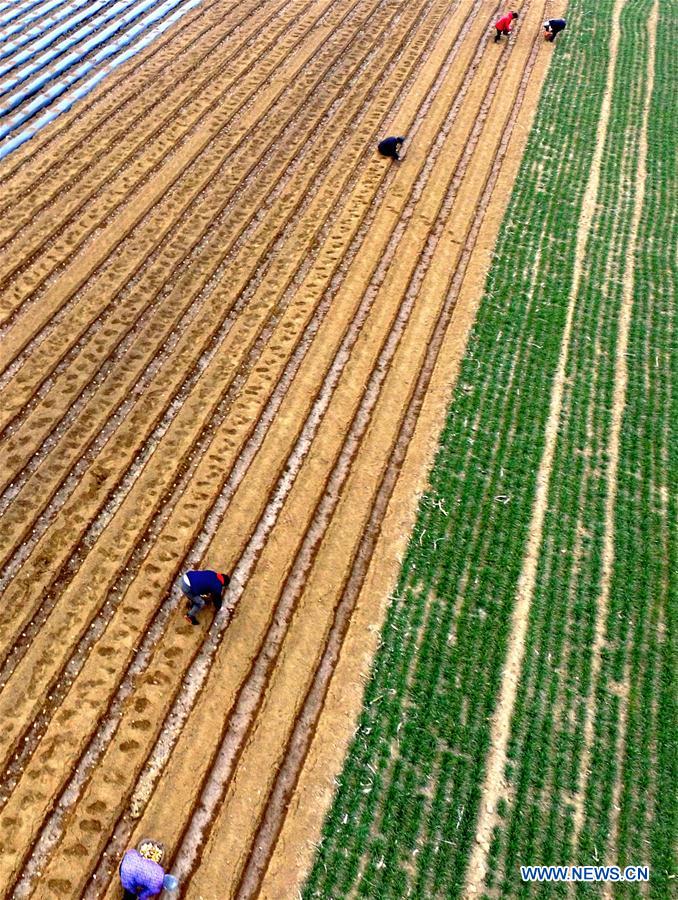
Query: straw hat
point(152, 850)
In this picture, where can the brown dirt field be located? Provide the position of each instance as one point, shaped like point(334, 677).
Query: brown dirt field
point(229, 333)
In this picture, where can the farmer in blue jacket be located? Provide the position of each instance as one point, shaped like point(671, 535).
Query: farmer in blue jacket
point(201, 587)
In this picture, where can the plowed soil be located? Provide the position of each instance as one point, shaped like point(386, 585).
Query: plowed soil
point(229, 329)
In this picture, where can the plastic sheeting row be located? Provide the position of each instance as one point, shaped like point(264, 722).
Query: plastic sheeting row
point(40, 61)
point(47, 31)
point(38, 7)
point(75, 84)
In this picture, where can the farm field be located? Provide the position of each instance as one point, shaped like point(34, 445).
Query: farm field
point(522, 705)
point(230, 335)
point(221, 315)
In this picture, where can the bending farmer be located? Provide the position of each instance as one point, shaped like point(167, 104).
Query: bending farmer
point(503, 25)
point(553, 27)
point(201, 587)
point(390, 146)
point(141, 874)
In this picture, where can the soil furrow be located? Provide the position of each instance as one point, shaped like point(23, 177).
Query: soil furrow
point(169, 260)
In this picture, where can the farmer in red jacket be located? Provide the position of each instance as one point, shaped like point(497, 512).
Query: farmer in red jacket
point(503, 25)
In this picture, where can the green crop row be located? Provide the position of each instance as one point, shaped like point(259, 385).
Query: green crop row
point(404, 815)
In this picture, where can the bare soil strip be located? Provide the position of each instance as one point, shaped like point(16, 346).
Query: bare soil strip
point(222, 317)
point(494, 784)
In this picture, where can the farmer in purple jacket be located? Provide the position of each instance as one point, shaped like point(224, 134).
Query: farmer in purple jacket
point(140, 876)
point(201, 587)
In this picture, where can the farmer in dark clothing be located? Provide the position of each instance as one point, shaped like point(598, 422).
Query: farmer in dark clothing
point(201, 587)
point(503, 25)
point(553, 27)
point(390, 146)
